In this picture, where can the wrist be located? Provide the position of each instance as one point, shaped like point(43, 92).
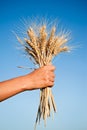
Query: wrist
point(23, 83)
point(26, 83)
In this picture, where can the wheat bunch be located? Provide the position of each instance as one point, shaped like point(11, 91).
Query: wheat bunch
point(43, 48)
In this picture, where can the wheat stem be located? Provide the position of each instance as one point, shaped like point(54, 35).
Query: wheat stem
point(43, 47)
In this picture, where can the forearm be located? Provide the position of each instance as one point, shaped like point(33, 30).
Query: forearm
point(12, 87)
point(40, 78)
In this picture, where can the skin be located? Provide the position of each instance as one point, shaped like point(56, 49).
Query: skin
point(39, 78)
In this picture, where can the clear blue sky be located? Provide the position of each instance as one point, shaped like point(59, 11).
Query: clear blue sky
point(70, 90)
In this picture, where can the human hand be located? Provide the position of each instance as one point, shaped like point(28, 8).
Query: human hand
point(41, 78)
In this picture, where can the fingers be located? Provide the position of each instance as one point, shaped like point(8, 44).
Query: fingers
point(50, 76)
point(41, 77)
point(51, 67)
point(51, 84)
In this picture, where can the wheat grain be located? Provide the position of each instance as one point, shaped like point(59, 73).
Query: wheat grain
point(43, 47)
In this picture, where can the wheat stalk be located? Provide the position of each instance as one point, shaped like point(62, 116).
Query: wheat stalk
point(43, 47)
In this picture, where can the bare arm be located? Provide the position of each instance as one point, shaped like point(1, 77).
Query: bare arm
point(39, 78)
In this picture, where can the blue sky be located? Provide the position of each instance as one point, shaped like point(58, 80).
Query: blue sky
point(70, 90)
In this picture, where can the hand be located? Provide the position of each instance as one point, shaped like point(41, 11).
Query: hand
point(41, 78)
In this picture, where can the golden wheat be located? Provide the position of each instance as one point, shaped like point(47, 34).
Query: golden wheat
point(43, 47)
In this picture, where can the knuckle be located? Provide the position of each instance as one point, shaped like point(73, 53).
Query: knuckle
point(47, 82)
point(53, 75)
point(51, 83)
point(52, 66)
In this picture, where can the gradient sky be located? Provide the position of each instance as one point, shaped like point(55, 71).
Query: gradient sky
point(70, 90)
